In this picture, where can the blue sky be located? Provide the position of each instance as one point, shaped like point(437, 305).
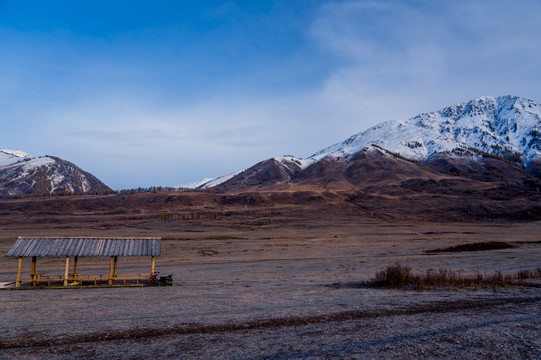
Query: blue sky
point(146, 93)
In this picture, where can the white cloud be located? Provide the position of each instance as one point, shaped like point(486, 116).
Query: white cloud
point(406, 58)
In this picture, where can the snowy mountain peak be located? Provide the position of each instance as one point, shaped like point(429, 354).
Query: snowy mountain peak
point(12, 156)
point(508, 126)
point(25, 174)
point(16, 153)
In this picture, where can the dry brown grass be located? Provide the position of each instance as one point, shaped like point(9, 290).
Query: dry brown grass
point(401, 277)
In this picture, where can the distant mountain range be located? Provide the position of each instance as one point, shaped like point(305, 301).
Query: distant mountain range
point(475, 139)
point(22, 174)
point(488, 139)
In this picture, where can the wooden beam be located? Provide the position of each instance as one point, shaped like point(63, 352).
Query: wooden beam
point(114, 266)
point(66, 271)
point(75, 265)
point(111, 270)
point(19, 271)
point(152, 265)
point(33, 270)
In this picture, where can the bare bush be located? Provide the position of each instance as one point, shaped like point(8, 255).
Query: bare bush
point(479, 246)
point(401, 277)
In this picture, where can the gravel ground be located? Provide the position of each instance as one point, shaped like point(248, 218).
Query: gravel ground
point(272, 321)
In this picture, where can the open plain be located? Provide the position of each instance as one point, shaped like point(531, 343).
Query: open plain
point(330, 179)
point(255, 280)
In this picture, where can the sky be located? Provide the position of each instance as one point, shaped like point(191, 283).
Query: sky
point(162, 93)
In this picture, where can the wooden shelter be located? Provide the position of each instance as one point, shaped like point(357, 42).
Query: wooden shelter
point(83, 246)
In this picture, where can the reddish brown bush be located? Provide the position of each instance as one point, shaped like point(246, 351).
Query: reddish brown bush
point(401, 276)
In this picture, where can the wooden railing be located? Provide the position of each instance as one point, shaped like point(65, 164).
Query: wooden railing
point(78, 279)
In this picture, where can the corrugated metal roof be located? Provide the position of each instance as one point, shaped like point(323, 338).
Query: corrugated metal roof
point(85, 246)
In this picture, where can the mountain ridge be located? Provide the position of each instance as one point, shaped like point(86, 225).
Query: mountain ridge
point(507, 127)
point(497, 125)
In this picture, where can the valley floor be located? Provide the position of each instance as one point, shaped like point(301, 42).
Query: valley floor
point(280, 291)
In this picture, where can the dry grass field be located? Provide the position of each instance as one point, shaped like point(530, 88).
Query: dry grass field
point(261, 281)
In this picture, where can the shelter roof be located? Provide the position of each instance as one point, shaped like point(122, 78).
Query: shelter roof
point(85, 246)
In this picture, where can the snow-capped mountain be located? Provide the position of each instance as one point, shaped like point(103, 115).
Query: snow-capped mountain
point(21, 173)
point(507, 126)
point(286, 166)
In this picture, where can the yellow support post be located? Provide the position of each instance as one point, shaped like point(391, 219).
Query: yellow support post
point(19, 271)
point(111, 270)
point(66, 271)
point(152, 265)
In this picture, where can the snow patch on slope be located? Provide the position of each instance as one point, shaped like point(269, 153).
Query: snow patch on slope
point(195, 184)
point(302, 163)
point(29, 165)
point(36, 162)
point(209, 182)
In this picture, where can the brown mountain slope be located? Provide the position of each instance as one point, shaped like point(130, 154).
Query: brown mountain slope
point(381, 171)
point(263, 174)
point(366, 168)
point(483, 169)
